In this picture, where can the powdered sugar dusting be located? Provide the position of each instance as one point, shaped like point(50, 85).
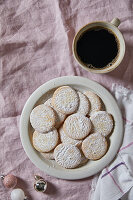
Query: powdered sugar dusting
point(77, 126)
point(60, 117)
point(42, 118)
point(45, 142)
point(102, 122)
point(96, 104)
point(65, 139)
point(65, 99)
point(94, 146)
point(67, 155)
point(84, 105)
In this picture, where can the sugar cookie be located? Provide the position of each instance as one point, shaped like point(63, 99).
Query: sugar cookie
point(60, 117)
point(67, 155)
point(65, 99)
point(102, 122)
point(42, 118)
point(95, 101)
point(77, 126)
point(94, 146)
point(84, 105)
point(45, 142)
point(48, 155)
point(65, 139)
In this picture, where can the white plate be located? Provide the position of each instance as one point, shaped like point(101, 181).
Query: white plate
point(41, 95)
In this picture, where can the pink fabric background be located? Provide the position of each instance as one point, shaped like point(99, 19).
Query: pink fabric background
point(36, 39)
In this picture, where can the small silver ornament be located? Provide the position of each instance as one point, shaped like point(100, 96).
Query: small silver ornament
point(40, 185)
point(2, 177)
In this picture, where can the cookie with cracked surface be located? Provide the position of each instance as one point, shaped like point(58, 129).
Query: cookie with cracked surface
point(67, 155)
point(102, 122)
point(66, 100)
point(45, 142)
point(77, 126)
point(94, 146)
point(42, 118)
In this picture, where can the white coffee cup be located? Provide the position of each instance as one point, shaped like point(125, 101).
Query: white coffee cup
point(111, 26)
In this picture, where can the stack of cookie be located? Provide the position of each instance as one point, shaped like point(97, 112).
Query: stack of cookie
point(71, 127)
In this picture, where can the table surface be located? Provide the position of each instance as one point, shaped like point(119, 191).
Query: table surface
point(36, 46)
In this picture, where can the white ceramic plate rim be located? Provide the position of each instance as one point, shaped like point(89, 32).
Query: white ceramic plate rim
point(24, 124)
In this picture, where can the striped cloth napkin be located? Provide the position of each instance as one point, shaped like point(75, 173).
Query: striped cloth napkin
point(116, 180)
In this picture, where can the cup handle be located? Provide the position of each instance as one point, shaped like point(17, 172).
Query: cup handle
point(116, 22)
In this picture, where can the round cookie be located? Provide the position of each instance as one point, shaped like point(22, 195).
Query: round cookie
point(94, 146)
point(67, 155)
point(48, 155)
point(65, 139)
point(77, 126)
point(95, 101)
point(42, 118)
point(60, 117)
point(102, 122)
point(45, 142)
point(65, 99)
point(84, 105)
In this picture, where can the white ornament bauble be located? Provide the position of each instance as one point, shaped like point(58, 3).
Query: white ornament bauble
point(17, 194)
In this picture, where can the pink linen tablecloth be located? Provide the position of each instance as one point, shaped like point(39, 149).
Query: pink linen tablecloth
point(35, 46)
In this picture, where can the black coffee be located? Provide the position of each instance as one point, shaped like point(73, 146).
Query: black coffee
point(97, 48)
